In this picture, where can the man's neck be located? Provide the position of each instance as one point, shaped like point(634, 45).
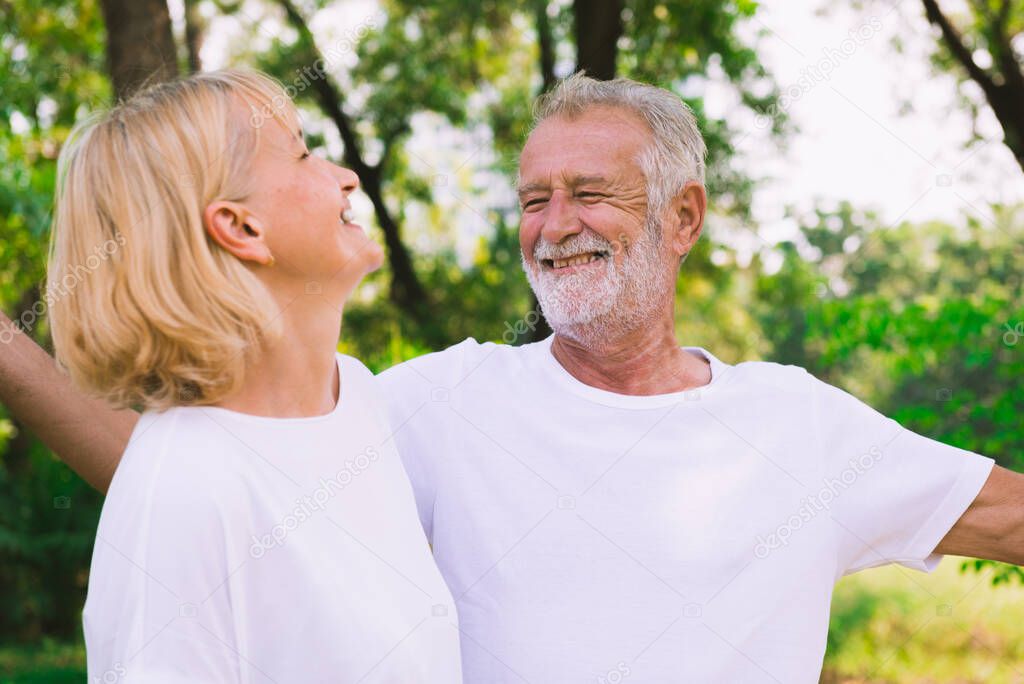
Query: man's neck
point(642, 362)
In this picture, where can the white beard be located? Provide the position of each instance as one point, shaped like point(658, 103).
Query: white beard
point(599, 304)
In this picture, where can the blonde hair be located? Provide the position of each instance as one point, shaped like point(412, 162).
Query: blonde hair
point(146, 309)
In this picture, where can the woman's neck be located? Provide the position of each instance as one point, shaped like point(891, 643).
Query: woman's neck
point(294, 376)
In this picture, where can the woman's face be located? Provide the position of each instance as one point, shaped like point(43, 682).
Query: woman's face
point(298, 200)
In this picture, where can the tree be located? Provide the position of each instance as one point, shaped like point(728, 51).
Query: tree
point(140, 44)
point(406, 289)
point(597, 29)
point(53, 69)
point(431, 57)
point(194, 29)
point(985, 49)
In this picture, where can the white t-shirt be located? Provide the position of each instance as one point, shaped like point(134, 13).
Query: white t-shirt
point(589, 536)
point(233, 548)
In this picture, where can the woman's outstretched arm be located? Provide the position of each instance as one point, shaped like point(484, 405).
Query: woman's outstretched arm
point(86, 433)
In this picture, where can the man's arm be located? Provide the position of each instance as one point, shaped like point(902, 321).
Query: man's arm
point(86, 433)
point(992, 527)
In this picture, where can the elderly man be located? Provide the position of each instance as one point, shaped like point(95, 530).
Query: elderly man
point(606, 504)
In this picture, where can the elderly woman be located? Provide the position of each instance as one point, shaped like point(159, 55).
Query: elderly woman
point(259, 526)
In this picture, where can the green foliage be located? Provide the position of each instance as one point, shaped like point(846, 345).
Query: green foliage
point(988, 38)
point(891, 624)
point(912, 318)
point(51, 60)
point(48, 662)
point(920, 321)
point(52, 66)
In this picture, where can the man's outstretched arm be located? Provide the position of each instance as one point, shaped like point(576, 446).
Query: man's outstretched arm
point(993, 526)
point(86, 433)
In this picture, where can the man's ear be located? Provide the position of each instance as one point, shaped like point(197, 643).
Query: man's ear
point(688, 210)
point(232, 227)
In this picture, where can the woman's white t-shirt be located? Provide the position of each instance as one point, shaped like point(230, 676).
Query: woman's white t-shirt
point(234, 548)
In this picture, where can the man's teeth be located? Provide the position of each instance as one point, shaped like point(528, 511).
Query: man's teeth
point(574, 261)
point(347, 216)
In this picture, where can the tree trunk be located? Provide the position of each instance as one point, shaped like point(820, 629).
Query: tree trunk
point(546, 44)
point(194, 29)
point(1008, 106)
point(140, 45)
point(598, 27)
point(406, 290)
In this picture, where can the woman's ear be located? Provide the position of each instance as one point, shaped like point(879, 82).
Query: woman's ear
point(688, 210)
point(237, 231)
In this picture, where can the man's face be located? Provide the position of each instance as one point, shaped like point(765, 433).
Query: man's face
point(590, 248)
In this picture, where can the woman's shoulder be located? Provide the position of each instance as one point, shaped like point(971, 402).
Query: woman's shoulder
point(190, 436)
point(177, 457)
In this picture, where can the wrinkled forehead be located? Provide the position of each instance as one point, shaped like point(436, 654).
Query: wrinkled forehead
point(600, 141)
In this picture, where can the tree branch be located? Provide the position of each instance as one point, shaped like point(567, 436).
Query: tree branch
point(406, 289)
point(956, 46)
point(1009, 67)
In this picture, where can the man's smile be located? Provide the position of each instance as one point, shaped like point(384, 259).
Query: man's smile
point(569, 263)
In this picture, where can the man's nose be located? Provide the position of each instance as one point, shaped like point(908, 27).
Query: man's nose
point(561, 220)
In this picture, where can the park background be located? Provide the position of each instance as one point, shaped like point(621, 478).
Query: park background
point(866, 222)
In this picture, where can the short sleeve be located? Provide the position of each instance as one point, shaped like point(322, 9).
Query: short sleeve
point(417, 395)
point(895, 494)
point(158, 608)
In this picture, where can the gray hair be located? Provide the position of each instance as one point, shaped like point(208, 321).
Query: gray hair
point(677, 153)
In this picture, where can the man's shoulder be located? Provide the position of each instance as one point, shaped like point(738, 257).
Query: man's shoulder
point(769, 376)
point(450, 366)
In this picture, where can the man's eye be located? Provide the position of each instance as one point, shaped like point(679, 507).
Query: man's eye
point(589, 195)
point(534, 202)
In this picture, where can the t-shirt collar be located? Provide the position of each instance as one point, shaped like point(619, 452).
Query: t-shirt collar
point(551, 367)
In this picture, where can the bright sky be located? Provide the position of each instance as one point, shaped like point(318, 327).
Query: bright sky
point(844, 87)
point(853, 142)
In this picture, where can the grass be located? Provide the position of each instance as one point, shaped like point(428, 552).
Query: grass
point(889, 625)
point(896, 625)
point(45, 663)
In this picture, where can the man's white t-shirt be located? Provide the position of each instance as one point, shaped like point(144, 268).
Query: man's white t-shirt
point(233, 548)
point(589, 536)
